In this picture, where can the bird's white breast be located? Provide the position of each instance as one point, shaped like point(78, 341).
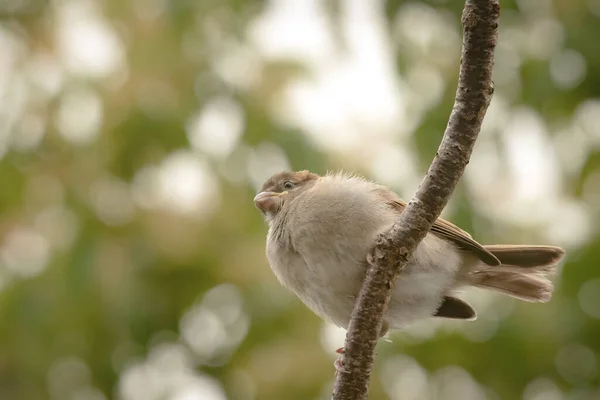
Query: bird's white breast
point(319, 252)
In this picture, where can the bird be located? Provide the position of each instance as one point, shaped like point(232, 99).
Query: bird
point(321, 228)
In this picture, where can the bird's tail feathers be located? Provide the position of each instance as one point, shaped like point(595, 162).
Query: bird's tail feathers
point(523, 273)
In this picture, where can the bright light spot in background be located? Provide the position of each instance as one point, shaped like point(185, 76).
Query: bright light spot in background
point(215, 327)
point(486, 164)
point(591, 190)
point(111, 200)
point(491, 309)
point(13, 52)
point(507, 70)
point(481, 330)
point(587, 116)
point(530, 196)
point(453, 382)
point(144, 188)
point(169, 357)
point(87, 44)
point(542, 389)
point(496, 116)
point(572, 146)
point(225, 300)
point(540, 38)
point(183, 183)
point(405, 379)
point(186, 184)
point(236, 64)
point(530, 193)
point(576, 363)
point(488, 304)
point(141, 381)
point(216, 129)
point(567, 69)
point(208, 390)
point(266, 160)
point(58, 225)
point(589, 298)
point(331, 105)
point(530, 156)
point(422, 32)
point(80, 116)
point(45, 74)
point(203, 332)
point(403, 175)
point(427, 85)
point(153, 380)
point(420, 331)
point(536, 8)
point(331, 108)
point(569, 223)
point(303, 31)
point(24, 253)
point(13, 91)
point(332, 337)
point(15, 101)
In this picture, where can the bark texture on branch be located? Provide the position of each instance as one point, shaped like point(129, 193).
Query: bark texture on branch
point(393, 248)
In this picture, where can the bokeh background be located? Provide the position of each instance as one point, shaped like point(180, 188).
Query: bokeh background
point(135, 133)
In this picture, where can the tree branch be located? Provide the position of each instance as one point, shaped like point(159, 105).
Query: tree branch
point(394, 248)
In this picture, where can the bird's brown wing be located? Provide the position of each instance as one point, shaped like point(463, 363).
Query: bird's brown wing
point(446, 230)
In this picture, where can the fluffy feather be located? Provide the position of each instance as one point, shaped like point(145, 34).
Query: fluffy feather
point(321, 229)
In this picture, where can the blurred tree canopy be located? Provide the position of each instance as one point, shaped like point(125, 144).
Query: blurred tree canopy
point(134, 134)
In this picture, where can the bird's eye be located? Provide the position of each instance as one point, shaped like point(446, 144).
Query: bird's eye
point(288, 185)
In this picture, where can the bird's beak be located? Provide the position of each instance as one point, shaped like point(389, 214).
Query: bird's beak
point(268, 201)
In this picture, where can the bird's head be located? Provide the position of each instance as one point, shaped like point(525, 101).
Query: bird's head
point(281, 188)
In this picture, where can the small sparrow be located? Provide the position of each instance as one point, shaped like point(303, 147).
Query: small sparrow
point(322, 227)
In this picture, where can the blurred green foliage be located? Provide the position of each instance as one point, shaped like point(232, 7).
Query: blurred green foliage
point(132, 259)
